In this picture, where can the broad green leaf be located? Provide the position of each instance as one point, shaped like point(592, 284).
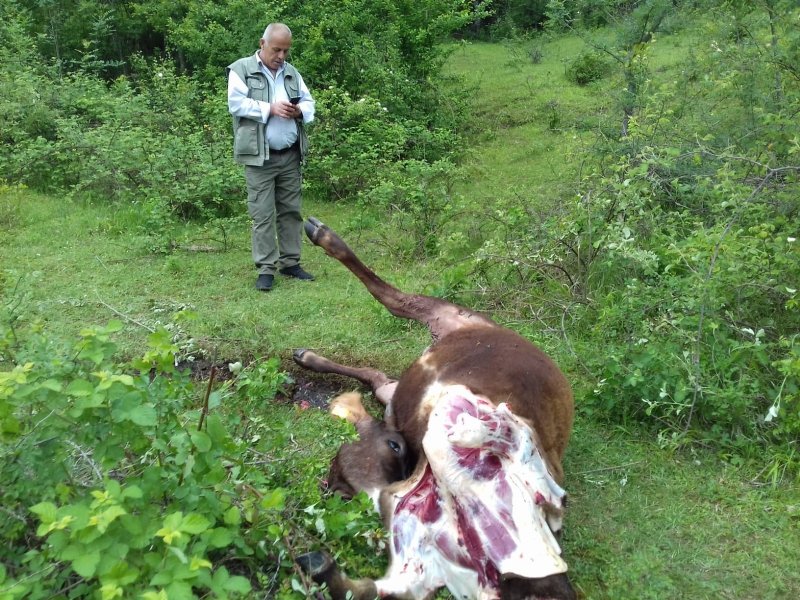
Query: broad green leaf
point(161, 578)
point(194, 523)
point(72, 551)
point(182, 571)
point(85, 564)
point(144, 415)
point(171, 529)
point(201, 440)
point(220, 577)
point(80, 387)
point(26, 390)
point(274, 500)
point(198, 562)
point(216, 430)
point(46, 511)
point(188, 465)
point(232, 516)
point(105, 518)
point(179, 590)
point(220, 537)
point(113, 487)
point(109, 591)
point(114, 325)
point(132, 491)
point(169, 535)
point(91, 401)
point(51, 384)
point(214, 399)
point(239, 584)
point(117, 571)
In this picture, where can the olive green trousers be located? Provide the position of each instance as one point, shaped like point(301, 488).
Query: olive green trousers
point(273, 202)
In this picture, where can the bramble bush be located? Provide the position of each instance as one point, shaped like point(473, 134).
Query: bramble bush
point(119, 144)
point(588, 67)
point(690, 290)
point(157, 134)
point(125, 479)
point(358, 145)
point(418, 198)
point(673, 273)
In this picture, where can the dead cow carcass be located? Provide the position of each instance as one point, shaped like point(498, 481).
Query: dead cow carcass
point(483, 418)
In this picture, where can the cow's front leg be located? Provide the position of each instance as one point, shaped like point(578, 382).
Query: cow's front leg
point(382, 385)
point(321, 568)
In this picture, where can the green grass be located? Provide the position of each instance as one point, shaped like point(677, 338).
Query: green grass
point(531, 122)
point(74, 268)
point(643, 522)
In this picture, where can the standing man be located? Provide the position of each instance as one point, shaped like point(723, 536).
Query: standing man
point(270, 105)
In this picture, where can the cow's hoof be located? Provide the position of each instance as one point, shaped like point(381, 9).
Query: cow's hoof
point(298, 355)
point(315, 564)
point(313, 227)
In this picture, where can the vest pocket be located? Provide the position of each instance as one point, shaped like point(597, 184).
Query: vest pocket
point(246, 139)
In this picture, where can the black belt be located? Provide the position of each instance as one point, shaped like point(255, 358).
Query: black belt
point(284, 150)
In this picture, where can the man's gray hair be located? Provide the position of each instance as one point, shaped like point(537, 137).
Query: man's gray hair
point(275, 28)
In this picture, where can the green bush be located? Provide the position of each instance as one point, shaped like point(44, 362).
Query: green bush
point(418, 198)
point(116, 144)
point(357, 142)
point(124, 479)
point(588, 67)
point(712, 305)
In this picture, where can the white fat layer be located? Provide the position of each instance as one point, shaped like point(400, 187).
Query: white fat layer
point(506, 497)
point(536, 552)
point(418, 566)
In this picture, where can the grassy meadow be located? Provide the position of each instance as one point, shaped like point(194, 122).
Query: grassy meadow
point(643, 522)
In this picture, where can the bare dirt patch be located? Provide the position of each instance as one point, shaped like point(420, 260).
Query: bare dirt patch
point(313, 391)
point(308, 389)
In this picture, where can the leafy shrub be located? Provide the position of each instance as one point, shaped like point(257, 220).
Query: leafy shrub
point(588, 67)
point(119, 144)
point(357, 141)
point(674, 277)
point(702, 357)
point(417, 197)
point(120, 479)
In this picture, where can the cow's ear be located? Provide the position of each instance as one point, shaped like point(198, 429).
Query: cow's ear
point(348, 406)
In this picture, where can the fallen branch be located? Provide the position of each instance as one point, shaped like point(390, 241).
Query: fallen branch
point(124, 316)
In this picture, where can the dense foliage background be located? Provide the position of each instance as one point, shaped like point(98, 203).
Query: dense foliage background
point(666, 260)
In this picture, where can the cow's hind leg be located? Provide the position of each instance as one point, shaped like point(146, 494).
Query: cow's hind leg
point(382, 385)
point(441, 317)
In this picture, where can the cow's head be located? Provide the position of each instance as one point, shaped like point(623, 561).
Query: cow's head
point(378, 458)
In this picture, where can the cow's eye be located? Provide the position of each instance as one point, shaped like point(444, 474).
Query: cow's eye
point(394, 446)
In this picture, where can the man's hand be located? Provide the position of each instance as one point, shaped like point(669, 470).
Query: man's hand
point(287, 110)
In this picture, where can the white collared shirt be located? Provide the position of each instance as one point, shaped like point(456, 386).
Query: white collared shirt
point(280, 132)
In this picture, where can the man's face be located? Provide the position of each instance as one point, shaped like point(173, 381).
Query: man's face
point(274, 52)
